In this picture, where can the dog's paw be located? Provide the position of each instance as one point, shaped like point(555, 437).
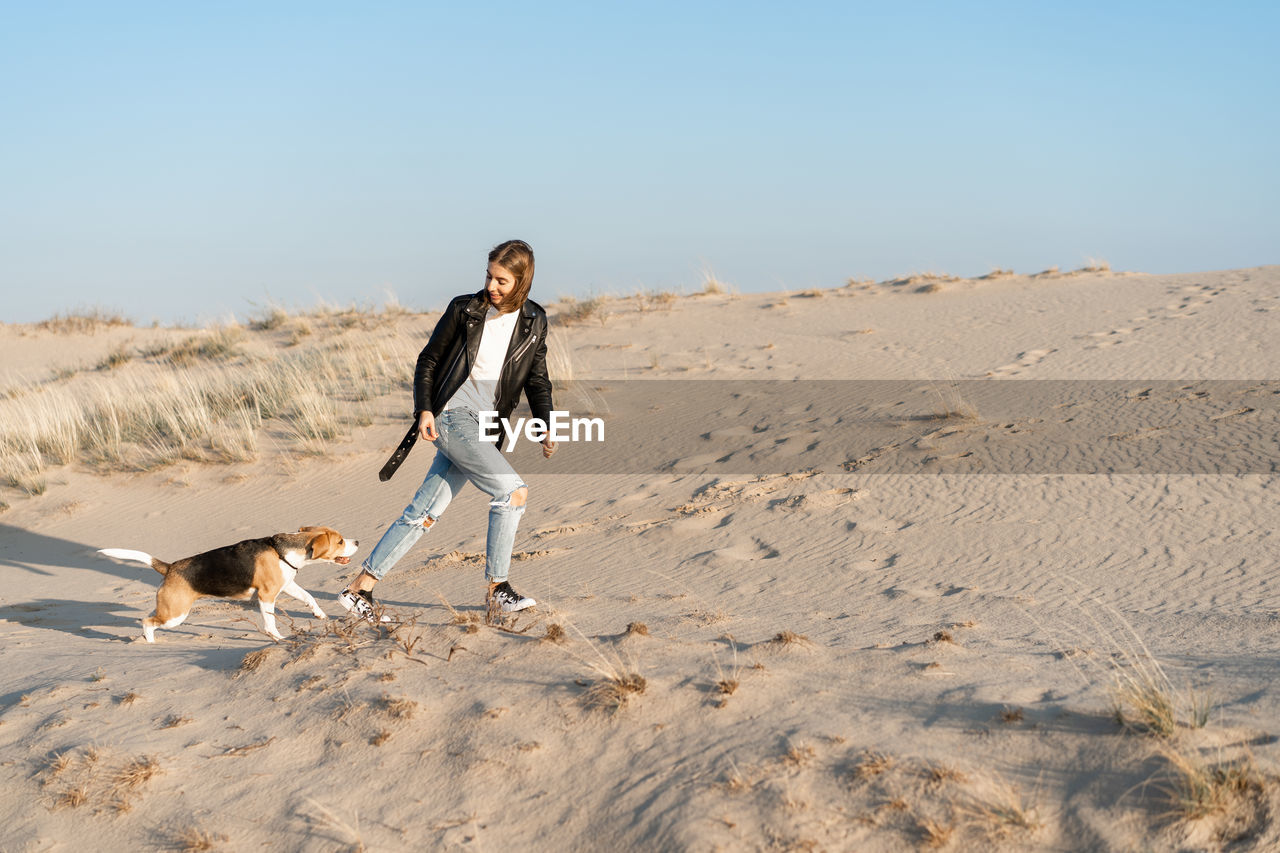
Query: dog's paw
point(320, 614)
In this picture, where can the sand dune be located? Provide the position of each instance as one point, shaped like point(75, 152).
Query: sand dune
point(762, 628)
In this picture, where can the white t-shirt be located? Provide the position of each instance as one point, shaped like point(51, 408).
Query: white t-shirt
point(480, 391)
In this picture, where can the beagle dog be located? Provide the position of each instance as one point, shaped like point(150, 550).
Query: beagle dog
point(267, 566)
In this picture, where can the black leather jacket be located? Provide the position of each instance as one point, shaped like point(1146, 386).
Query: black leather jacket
point(445, 362)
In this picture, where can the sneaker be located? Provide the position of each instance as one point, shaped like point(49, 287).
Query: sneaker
point(504, 596)
point(361, 604)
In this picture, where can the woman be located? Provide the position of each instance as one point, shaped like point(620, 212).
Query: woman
point(487, 347)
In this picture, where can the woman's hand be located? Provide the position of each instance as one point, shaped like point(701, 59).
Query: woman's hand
point(548, 447)
point(427, 426)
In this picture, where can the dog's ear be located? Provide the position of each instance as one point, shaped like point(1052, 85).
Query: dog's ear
point(324, 543)
point(307, 529)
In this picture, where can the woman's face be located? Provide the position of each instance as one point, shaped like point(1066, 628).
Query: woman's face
point(498, 283)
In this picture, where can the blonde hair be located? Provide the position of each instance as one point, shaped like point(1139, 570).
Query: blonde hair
point(516, 256)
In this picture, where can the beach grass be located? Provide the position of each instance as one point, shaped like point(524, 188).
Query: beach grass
point(201, 400)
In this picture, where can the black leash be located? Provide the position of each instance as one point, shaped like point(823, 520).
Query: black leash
point(398, 456)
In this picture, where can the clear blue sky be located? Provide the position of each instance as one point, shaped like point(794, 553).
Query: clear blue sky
point(179, 161)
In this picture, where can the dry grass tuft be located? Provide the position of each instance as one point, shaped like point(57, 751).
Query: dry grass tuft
point(639, 629)
point(300, 332)
point(117, 357)
point(648, 300)
point(83, 321)
point(220, 344)
point(255, 659)
point(1200, 706)
point(873, 764)
point(57, 762)
point(73, 797)
point(798, 755)
point(999, 814)
point(1142, 702)
point(1143, 698)
point(943, 636)
point(928, 282)
point(469, 621)
point(727, 683)
point(951, 405)
point(348, 833)
point(1195, 789)
point(736, 781)
point(134, 774)
point(86, 779)
point(790, 638)
point(555, 633)
point(939, 774)
point(612, 691)
point(272, 317)
point(174, 720)
point(933, 834)
point(576, 312)
point(712, 286)
point(380, 737)
point(28, 484)
point(400, 709)
point(347, 706)
point(194, 839)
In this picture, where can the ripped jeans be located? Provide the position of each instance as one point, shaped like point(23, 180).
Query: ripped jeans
point(460, 456)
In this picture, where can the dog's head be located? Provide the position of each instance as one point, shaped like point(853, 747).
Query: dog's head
point(325, 543)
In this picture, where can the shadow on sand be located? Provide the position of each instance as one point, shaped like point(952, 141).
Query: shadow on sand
point(28, 551)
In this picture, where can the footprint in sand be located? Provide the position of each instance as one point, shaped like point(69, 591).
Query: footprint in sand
point(1232, 414)
point(1027, 359)
point(1111, 337)
point(695, 463)
point(876, 525)
point(570, 529)
point(1193, 296)
point(635, 497)
point(821, 500)
point(741, 553)
point(1185, 301)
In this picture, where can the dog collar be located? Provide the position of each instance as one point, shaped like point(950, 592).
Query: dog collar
point(281, 555)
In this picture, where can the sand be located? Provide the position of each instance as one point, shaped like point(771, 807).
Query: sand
point(897, 653)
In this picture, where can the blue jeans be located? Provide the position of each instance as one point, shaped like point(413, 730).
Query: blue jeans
point(460, 456)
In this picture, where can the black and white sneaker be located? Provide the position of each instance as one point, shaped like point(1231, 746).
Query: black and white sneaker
point(361, 604)
point(504, 597)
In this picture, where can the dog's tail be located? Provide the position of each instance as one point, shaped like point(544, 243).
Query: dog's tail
point(136, 557)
